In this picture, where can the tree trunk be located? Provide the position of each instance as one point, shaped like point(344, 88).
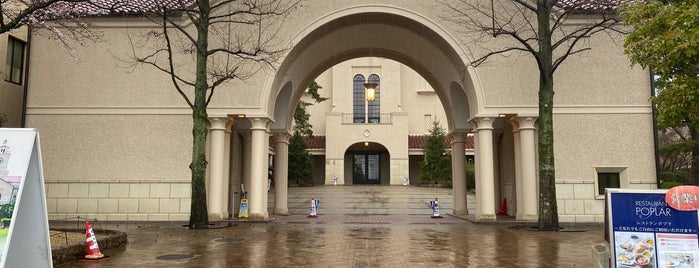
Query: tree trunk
point(199, 215)
point(695, 153)
point(548, 208)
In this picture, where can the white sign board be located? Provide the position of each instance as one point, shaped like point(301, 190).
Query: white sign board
point(25, 242)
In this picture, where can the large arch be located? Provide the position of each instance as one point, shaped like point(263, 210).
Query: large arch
point(378, 31)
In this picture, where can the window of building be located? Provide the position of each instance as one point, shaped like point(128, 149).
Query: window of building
point(365, 111)
point(374, 107)
point(14, 62)
point(358, 99)
point(610, 177)
point(607, 180)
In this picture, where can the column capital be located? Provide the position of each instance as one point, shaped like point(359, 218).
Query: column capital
point(526, 122)
point(458, 137)
point(281, 136)
point(483, 122)
point(218, 123)
point(260, 123)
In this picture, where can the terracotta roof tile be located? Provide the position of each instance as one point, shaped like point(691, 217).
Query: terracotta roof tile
point(94, 8)
point(418, 141)
point(315, 142)
point(592, 6)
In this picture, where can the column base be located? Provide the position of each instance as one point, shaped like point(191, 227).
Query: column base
point(534, 217)
point(282, 212)
point(486, 217)
point(258, 216)
point(217, 216)
point(460, 212)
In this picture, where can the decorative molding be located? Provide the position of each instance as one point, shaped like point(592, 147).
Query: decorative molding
point(129, 110)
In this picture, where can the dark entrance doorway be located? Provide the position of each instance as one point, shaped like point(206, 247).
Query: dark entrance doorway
point(366, 168)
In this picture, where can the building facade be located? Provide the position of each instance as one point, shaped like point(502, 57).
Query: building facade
point(117, 139)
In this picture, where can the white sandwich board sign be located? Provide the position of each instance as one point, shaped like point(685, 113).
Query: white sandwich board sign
point(25, 241)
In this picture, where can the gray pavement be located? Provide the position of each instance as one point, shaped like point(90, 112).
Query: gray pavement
point(350, 240)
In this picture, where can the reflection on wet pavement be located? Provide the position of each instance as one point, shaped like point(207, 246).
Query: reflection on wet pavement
point(347, 241)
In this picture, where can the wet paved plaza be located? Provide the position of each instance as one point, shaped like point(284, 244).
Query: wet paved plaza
point(350, 241)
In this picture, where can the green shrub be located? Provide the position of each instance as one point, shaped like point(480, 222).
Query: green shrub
point(669, 184)
point(470, 176)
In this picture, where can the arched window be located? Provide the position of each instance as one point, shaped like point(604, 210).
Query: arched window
point(359, 101)
point(374, 107)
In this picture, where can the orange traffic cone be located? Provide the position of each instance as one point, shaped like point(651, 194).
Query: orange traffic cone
point(503, 207)
point(92, 250)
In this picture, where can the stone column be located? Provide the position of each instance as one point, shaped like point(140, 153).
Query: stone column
point(215, 196)
point(236, 170)
point(281, 172)
point(519, 199)
point(257, 195)
point(528, 159)
point(486, 178)
point(247, 149)
point(458, 172)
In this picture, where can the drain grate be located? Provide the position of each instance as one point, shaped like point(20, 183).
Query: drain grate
point(230, 240)
point(174, 257)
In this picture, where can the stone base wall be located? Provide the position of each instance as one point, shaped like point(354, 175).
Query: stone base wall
point(578, 202)
point(119, 201)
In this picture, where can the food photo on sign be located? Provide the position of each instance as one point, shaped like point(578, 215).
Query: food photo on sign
point(634, 249)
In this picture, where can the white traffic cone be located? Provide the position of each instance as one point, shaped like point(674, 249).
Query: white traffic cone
point(435, 208)
point(314, 208)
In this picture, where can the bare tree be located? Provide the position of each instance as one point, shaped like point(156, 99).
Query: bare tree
point(59, 17)
point(542, 29)
point(201, 45)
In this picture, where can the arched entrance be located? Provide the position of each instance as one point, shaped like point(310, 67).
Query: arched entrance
point(387, 32)
point(369, 163)
point(406, 37)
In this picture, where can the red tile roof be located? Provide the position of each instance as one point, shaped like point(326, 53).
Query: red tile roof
point(95, 8)
point(418, 141)
point(414, 141)
point(315, 142)
point(140, 7)
point(592, 6)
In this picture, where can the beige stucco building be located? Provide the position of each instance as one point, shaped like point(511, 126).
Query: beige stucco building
point(116, 139)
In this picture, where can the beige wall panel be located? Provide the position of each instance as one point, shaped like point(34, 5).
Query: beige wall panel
point(586, 141)
point(602, 76)
point(120, 82)
point(114, 147)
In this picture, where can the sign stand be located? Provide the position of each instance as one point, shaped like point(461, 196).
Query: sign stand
point(28, 241)
point(646, 231)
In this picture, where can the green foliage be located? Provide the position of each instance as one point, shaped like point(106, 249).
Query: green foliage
point(300, 161)
point(470, 176)
point(6, 210)
point(301, 116)
point(679, 176)
point(437, 165)
point(669, 184)
point(3, 119)
point(665, 38)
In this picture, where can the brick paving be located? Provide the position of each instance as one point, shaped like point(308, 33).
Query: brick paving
point(350, 240)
